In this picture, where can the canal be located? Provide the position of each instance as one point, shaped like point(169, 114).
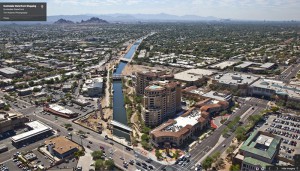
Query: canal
point(119, 111)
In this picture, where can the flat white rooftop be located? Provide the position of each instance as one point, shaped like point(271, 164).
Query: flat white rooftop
point(235, 78)
point(193, 74)
point(279, 87)
point(224, 64)
point(61, 109)
point(37, 128)
point(181, 122)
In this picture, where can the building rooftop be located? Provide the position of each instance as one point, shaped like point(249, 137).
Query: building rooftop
point(181, 125)
point(182, 121)
point(256, 162)
point(193, 74)
point(223, 65)
point(261, 144)
point(279, 87)
point(235, 78)
point(62, 144)
point(245, 64)
point(155, 87)
point(60, 109)
point(218, 95)
point(37, 128)
point(93, 83)
point(9, 70)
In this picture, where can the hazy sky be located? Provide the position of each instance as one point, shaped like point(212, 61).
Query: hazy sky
point(234, 9)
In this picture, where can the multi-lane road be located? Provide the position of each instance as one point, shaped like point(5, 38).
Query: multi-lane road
point(289, 73)
point(251, 106)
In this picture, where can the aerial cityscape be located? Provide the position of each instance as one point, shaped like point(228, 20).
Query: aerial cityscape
point(137, 91)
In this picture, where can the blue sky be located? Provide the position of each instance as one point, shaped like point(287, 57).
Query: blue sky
point(234, 9)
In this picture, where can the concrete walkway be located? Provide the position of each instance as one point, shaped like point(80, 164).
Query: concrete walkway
point(86, 161)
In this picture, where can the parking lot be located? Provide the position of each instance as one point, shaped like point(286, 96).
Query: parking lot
point(288, 128)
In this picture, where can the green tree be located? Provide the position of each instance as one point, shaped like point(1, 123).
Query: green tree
point(145, 137)
point(67, 125)
point(207, 162)
point(240, 133)
point(176, 154)
point(215, 156)
point(109, 164)
point(235, 167)
point(157, 154)
point(99, 164)
point(79, 153)
point(97, 155)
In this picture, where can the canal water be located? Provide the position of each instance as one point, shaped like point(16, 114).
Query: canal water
point(119, 111)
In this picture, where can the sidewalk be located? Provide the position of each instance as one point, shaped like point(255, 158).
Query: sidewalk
point(151, 155)
point(86, 161)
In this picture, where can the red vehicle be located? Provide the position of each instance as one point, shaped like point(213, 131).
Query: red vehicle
point(102, 148)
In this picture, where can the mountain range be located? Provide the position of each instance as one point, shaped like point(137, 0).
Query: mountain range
point(131, 17)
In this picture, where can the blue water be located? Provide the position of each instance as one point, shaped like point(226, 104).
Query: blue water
point(132, 50)
point(119, 111)
point(120, 68)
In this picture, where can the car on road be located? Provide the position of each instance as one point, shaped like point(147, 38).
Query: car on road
point(90, 142)
point(88, 146)
point(223, 145)
point(111, 143)
point(138, 163)
point(102, 148)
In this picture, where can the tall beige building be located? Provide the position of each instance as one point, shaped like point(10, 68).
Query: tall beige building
point(162, 99)
point(143, 79)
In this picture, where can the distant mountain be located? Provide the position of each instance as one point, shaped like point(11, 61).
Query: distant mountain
point(63, 21)
point(94, 20)
point(132, 17)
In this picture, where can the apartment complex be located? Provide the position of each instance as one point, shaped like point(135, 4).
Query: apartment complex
point(161, 100)
point(143, 79)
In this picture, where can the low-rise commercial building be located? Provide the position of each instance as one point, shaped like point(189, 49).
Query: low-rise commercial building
point(93, 87)
point(61, 147)
point(194, 77)
point(67, 87)
point(223, 65)
point(258, 151)
point(271, 88)
point(234, 81)
point(179, 130)
point(37, 131)
point(9, 121)
point(201, 94)
point(59, 110)
point(10, 72)
point(254, 67)
point(81, 102)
